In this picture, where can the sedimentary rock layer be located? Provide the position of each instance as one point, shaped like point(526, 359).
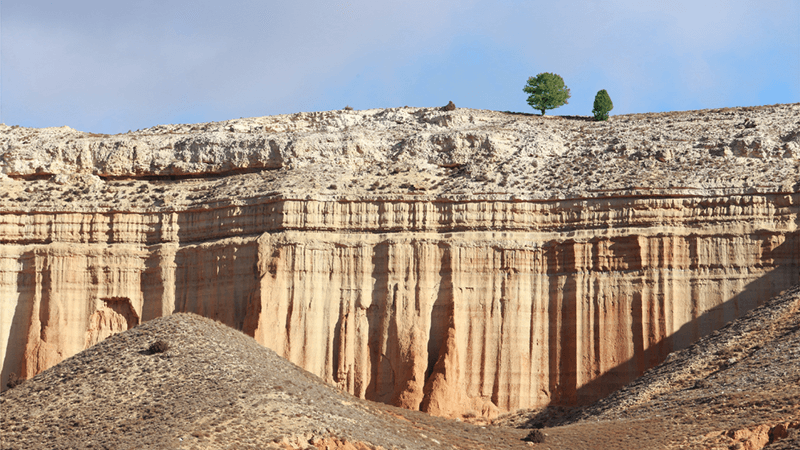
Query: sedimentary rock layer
point(453, 261)
point(443, 306)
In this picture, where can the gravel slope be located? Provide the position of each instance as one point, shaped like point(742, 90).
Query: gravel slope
point(214, 388)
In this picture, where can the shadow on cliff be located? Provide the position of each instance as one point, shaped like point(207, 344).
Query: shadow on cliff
point(783, 275)
point(21, 322)
point(383, 334)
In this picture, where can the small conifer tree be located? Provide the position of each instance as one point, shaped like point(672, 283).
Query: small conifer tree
point(547, 91)
point(602, 105)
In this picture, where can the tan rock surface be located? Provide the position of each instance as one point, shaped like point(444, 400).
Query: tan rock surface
point(462, 262)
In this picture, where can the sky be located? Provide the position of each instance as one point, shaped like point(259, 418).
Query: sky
point(109, 67)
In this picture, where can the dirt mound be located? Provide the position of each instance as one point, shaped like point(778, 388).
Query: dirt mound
point(737, 388)
point(212, 388)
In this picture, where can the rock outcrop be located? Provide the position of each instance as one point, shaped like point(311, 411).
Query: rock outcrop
point(459, 262)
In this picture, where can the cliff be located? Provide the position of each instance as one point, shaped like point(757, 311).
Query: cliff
point(458, 262)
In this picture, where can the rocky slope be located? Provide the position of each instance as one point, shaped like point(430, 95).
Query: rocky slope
point(459, 262)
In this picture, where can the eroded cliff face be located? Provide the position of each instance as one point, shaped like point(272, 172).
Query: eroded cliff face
point(439, 288)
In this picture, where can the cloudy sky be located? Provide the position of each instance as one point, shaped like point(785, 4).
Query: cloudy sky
point(109, 67)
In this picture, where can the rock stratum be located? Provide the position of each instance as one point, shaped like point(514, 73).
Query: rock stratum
point(462, 262)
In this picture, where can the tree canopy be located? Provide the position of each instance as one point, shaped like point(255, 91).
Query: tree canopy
point(547, 91)
point(602, 105)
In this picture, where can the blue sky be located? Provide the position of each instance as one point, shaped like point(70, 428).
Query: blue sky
point(109, 67)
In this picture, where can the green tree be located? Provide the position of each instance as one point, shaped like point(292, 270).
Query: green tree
point(547, 91)
point(602, 105)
